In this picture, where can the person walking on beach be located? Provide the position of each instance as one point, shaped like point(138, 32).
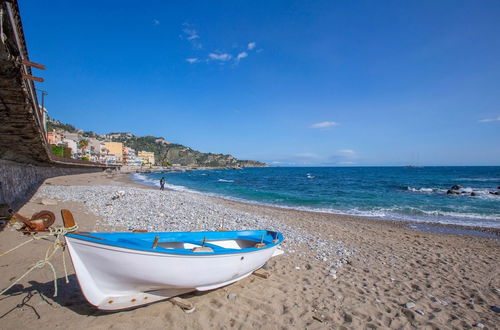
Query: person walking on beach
point(162, 183)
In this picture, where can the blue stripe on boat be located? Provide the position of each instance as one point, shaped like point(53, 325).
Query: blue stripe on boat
point(144, 241)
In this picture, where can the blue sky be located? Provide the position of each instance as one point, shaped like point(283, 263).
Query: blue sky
point(285, 82)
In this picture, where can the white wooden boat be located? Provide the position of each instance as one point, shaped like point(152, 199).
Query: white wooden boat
point(124, 270)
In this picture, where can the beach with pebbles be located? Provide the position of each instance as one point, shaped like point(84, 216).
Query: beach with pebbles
point(337, 271)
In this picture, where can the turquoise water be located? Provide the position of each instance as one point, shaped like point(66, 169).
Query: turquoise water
point(396, 193)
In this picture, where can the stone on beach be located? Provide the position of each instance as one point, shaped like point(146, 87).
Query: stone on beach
point(410, 304)
point(185, 211)
point(46, 201)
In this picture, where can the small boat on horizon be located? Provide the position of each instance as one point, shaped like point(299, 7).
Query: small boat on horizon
point(125, 269)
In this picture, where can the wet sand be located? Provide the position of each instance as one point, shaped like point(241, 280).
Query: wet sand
point(396, 278)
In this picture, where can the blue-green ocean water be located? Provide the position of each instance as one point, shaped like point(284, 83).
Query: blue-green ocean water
point(396, 193)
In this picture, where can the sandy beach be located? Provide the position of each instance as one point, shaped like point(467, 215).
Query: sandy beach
point(338, 272)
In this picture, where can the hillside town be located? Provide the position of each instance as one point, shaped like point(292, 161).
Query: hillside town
point(132, 152)
point(98, 149)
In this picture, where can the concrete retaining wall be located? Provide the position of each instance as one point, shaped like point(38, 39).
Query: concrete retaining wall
point(19, 181)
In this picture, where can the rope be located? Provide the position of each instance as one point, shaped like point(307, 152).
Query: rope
point(58, 232)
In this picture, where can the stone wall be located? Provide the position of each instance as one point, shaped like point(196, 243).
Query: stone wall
point(19, 181)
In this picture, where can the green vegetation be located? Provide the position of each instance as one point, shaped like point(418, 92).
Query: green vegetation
point(172, 153)
point(61, 151)
point(57, 125)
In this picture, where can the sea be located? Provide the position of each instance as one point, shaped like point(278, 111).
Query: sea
point(395, 193)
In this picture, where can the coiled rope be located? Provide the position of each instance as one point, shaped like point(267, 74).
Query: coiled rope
point(58, 244)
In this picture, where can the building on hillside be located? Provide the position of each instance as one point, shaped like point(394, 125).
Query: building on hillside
point(95, 146)
point(148, 158)
point(72, 136)
point(119, 135)
point(115, 149)
point(162, 141)
point(129, 156)
point(54, 137)
point(72, 145)
point(109, 160)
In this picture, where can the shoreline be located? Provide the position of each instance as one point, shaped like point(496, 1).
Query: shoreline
point(337, 271)
point(426, 226)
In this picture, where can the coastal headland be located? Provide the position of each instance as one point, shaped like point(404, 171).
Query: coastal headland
point(338, 272)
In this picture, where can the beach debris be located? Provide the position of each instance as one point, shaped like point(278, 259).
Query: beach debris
point(421, 312)
point(410, 304)
point(262, 274)
point(47, 201)
point(297, 268)
point(378, 301)
point(232, 296)
point(496, 309)
point(479, 325)
point(318, 318)
point(185, 305)
point(40, 221)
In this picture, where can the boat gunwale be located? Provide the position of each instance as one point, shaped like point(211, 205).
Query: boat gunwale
point(103, 242)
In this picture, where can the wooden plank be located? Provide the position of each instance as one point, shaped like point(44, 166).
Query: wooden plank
point(155, 243)
point(33, 64)
point(261, 273)
point(29, 77)
point(68, 219)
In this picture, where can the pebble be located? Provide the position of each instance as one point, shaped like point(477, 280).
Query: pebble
point(48, 202)
point(420, 312)
point(410, 304)
point(231, 296)
point(138, 208)
point(479, 325)
point(297, 268)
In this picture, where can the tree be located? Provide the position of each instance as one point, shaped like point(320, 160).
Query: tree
point(83, 144)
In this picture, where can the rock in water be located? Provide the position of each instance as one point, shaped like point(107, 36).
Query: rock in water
point(456, 187)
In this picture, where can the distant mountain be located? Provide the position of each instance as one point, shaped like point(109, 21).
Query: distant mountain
point(165, 152)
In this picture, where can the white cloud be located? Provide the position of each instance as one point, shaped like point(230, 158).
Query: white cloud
point(487, 120)
point(346, 153)
point(192, 60)
point(156, 22)
point(251, 45)
point(324, 124)
point(306, 155)
point(241, 55)
point(190, 34)
point(220, 57)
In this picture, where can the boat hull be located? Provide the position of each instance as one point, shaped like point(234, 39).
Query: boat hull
point(113, 278)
